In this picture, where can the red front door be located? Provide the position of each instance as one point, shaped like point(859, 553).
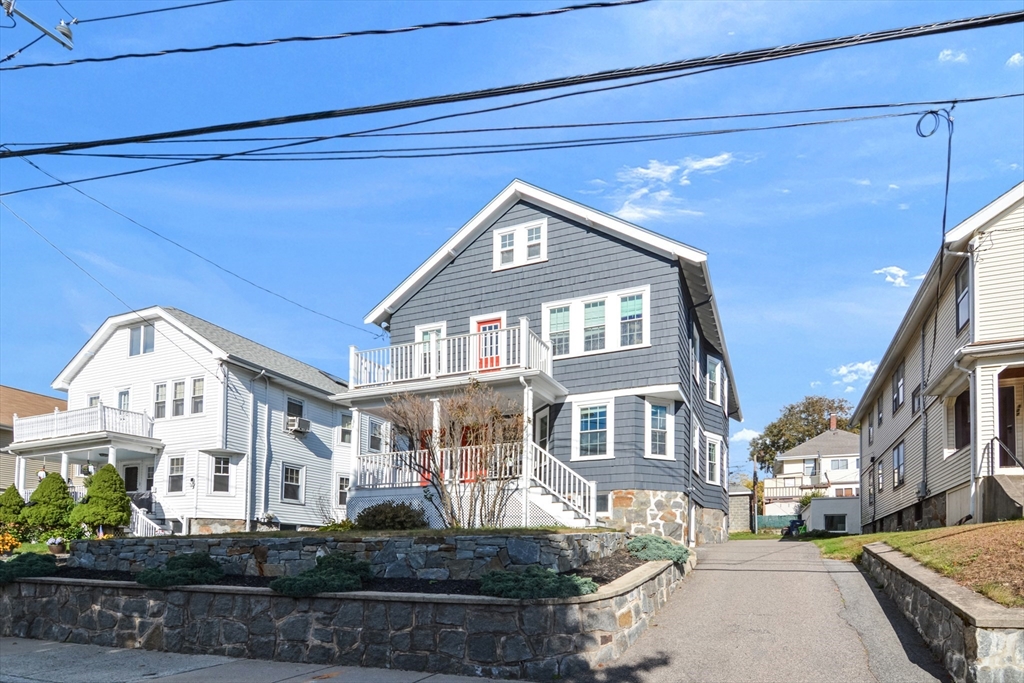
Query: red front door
point(490, 344)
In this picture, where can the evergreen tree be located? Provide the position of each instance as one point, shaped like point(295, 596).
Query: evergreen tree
point(106, 503)
point(11, 505)
point(49, 506)
point(798, 423)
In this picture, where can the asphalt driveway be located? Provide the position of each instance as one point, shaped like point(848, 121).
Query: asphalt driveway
point(774, 611)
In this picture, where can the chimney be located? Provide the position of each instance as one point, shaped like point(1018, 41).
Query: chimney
point(832, 426)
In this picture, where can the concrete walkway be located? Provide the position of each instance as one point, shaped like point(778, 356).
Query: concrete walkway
point(775, 611)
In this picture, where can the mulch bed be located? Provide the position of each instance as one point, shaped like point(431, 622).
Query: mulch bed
point(601, 571)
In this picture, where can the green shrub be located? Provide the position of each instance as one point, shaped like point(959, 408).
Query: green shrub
point(106, 503)
point(183, 570)
point(26, 565)
point(49, 507)
point(343, 525)
point(651, 548)
point(535, 582)
point(333, 573)
point(11, 505)
point(391, 516)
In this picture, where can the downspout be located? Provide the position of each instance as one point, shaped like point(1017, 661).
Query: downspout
point(266, 450)
point(250, 475)
point(923, 493)
point(694, 448)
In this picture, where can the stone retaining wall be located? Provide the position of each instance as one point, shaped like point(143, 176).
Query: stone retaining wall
point(471, 635)
point(423, 557)
point(978, 641)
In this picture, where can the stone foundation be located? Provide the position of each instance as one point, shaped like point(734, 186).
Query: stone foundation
point(712, 526)
point(933, 516)
point(423, 557)
point(978, 641)
point(662, 513)
point(469, 635)
point(200, 525)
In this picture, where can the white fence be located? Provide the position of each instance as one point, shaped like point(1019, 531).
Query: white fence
point(501, 349)
point(142, 526)
point(83, 421)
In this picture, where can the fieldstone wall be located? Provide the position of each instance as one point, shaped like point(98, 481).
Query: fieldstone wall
point(977, 640)
point(423, 557)
point(662, 513)
point(712, 526)
point(200, 525)
point(469, 635)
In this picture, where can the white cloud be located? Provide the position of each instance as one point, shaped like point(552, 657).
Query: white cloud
point(854, 372)
point(1016, 59)
point(815, 383)
point(864, 182)
point(953, 56)
point(918, 277)
point(903, 207)
point(893, 274)
point(847, 390)
point(703, 166)
point(894, 187)
point(743, 435)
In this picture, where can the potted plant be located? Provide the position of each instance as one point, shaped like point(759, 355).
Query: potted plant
point(55, 544)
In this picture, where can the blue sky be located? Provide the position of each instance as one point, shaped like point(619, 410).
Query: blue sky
point(815, 235)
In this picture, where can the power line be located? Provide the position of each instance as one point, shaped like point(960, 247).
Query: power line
point(149, 11)
point(312, 39)
point(22, 48)
point(109, 291)
point(730, 59)
point(198, 255)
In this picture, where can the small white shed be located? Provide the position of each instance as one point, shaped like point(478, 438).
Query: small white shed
point(838, 515)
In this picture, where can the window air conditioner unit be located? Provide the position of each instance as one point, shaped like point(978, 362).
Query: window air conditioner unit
point(299, 425)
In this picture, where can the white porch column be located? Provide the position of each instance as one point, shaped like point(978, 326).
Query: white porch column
point(112, 457)
point(527, 441)
point(357, 440)
point(64, 465)
point(524, 342)
point(19, 475)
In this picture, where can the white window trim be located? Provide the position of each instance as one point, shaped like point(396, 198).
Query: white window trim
point(186, 397)
point(474, 319)
point(302, 484)
point(142, 339)
point(717, 398)
point(338, 476)
point(696, 452)
point(124, 390)
point(89, 397)
point(369, 434)
point(724, 457)
point(419, 329)
point(670, 426)
point(352, 429)
point(167, 476)
point(167, 399)
point(519, 247)
point(610, 428)
point(230, 493)
point(284, 413)
point(612, 327)
point(189, 396)
point(695, 348)
point(713, 438)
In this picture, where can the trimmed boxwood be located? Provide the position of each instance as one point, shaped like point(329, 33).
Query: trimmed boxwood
point(333, 573)
point(534, 582)
point(183, 570)
point(391, 516)
point(652, 548)
point(26, 565)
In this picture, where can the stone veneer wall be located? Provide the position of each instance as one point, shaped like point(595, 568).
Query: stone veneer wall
point(977, 640)
point(662, 513)
point(471, 635)
point(933, 516)
point(712, 526)
point(423, 557)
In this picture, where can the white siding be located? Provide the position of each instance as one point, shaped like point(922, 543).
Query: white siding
point(999, 277)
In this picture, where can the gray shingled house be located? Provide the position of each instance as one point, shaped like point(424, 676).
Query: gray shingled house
point(608, 335)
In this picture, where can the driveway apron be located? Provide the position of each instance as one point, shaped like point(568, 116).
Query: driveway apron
point(774, 611)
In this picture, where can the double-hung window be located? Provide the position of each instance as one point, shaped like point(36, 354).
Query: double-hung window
point(880, 404)
point(520, 245)
point(915, 400)
point(291, 483)
point(197, 395)
point(175, 474)
point(178, 399)
point(810, 467)
point(593, 325)
point(714, 454)
point(695, 351)
point(221, 474)
point(534, 242)
point(343, 490)
point(346, 428)
point(881, 475)
point(160, 400)
point(631, 318)
point(594, 431)
point(897, 388)
point(94, 400)
point(558, 326)
point(897, 465)
point(713, 386)
point(963, 296)
point(508, 248)
point(140, 340)
point(871, 428)
point(660, 428)
point(376, 440)
point(962, 420)
point(124, 399)
point(695, 449)
point(841, 464)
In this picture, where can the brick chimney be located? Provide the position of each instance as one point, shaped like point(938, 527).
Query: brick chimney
point(832, 424)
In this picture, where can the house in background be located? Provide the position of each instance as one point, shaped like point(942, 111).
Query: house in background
point(608, 337)
point(210, 431)
point(942, 430)
point(835, 515)
point(19, 402)
point(828, 464)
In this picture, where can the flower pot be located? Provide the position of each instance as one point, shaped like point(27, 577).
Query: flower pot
point(57, 549)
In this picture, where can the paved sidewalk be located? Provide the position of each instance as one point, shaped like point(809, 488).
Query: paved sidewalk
point(42, 661)
point(774, 611)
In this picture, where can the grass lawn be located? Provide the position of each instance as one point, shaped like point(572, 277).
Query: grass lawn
point(748, 536)
point(987, 558)
point(31, 548)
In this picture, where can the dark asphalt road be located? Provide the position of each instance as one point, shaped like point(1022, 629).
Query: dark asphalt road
point(775, 612)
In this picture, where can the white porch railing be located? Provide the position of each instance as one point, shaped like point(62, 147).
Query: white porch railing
point(83, 421)
point(77, 493)
point(511, 347)
point(142, 525)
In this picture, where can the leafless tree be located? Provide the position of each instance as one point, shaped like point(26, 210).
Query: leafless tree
point(470, 467)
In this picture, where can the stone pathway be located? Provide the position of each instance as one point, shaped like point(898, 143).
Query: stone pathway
point(775, 611)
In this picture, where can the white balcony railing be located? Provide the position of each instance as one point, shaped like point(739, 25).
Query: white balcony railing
point(84, 421)
point(502, 349)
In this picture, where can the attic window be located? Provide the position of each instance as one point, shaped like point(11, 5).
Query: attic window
point(140, 340)
point(519, 245)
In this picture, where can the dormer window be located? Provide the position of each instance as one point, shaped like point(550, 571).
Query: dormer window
point(140, 340)
point(520, 245)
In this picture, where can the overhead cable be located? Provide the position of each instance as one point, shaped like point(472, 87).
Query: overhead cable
point(149, 11)
point(313, 39)
point(729, 59)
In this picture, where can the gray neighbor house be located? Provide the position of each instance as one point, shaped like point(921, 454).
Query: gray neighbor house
point(606, 334)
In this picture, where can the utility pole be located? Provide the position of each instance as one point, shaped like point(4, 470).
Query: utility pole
point(754, 499)
point(63, 28)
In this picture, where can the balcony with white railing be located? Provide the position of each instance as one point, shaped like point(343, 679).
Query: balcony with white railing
point(83, 421)
point(510, 348)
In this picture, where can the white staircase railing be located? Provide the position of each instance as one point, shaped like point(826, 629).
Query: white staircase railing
point(564, 483)
point(141, 525)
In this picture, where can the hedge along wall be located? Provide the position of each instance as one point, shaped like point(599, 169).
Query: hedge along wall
point(471, 635)
point(423, 557)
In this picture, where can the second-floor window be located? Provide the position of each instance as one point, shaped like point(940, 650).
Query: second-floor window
point(593, 326)
point(810, 467)
point(897, 465)
point(175, 474)
point(346, 428)
point(963, 296)
point(632, 317)
point(897, 388)
point(558, 325)
point(178, 399)
point(962, 420)
point(588, 325)
point(197, 395)
point(94, 400)
point(871, 429)
point(520, 245)
point(160, 400)
point(123, 399)
point(842, 464)
point(881, 403)
point(140, 340)
point(714, 453)
point(713, 387)
point(376, 443)
point(915, 400)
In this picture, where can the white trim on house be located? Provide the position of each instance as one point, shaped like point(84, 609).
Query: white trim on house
point(520, 245)
point(577, 406)
point(474, 319)
point(211, 472)
point(717, 469)
point(419, 329)
point(696, 452)
point(670, 429)
point(669, 391)
point(612, 321)
point(302, 484)
point(716, 395)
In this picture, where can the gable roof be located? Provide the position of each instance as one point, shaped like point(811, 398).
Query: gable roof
point(24, 403)
point(693, 262)
point(955, 240)
point(223, 344)
point(832, 442)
